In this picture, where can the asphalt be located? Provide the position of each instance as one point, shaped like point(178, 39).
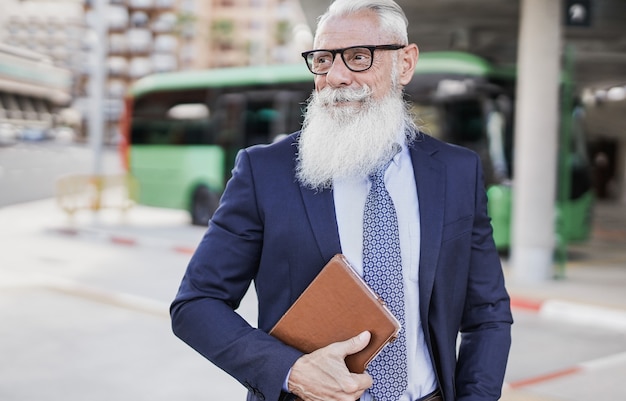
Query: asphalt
point(589, 289)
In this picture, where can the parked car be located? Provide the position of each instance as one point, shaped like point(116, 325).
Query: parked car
point(34, 134)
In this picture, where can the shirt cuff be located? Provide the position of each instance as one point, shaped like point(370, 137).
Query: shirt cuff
point(286, 382)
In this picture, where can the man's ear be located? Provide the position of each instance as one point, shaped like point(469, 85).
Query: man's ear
point(407, 63)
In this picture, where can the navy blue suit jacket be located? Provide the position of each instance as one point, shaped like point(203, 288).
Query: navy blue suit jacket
point(270, 230)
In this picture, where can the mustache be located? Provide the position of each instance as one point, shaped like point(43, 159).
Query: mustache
point(329, 96)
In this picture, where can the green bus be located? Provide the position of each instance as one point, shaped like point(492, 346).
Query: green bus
point(182, 131)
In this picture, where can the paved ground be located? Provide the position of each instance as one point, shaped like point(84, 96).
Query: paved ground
point(591, 293)
point(78, 312)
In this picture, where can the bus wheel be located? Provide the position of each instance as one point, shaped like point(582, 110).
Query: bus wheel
point(203, 205)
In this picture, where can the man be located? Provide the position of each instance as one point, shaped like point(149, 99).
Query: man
point(291, 206)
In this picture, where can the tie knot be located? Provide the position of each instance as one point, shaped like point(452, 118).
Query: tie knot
point(378, 176)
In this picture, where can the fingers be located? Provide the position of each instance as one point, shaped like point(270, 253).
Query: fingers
point(323, 375)
point(350, 346)
point(357, 343)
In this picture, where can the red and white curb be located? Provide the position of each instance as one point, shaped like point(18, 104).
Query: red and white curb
point(552, 309)
point(574, 312)
point(583, 367)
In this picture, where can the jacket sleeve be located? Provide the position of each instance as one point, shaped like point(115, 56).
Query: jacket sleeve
point(217, 277)
point(486, 319)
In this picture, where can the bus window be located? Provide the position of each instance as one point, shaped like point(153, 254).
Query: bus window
point(259, 119)
point(290, 105)
point(194, 111)
point(465, 125)
point(161, 119)
point(579, 163)
point(170, 131)
point(272, 113)
point(464, 122)
point(230, 109)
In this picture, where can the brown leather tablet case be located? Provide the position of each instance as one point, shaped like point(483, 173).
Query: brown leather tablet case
point(336, 306)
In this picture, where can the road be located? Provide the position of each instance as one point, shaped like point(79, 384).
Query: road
point(86, 319)
point(83, 305)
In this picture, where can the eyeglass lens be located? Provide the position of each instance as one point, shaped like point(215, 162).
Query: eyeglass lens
point(356, 59)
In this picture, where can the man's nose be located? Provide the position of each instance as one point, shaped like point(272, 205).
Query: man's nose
point(339, 74)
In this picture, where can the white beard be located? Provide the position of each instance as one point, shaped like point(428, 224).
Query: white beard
point(340, 141)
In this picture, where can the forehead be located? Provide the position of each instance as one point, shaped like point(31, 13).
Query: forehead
point(361, 28)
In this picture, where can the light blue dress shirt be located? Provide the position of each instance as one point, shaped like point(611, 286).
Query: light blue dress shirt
point(349, 197)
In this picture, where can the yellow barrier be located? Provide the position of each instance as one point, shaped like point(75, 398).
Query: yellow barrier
point(95, 192)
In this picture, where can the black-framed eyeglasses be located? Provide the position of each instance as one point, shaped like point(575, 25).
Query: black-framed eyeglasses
point(356, 58)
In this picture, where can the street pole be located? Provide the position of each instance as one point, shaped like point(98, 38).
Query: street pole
point(97, 82)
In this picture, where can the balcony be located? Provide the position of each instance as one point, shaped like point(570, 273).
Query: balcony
point(118, 44)
point(165, 44)
point(139, 40)
point(165, 23)
point(117, 18)
point(141, 4)
point(164, 63)
point(164, 4)
point(116, 88)
point(139, 19)
point(117, 67)
point(139, 67)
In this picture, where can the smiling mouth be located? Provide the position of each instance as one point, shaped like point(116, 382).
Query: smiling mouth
point(345, 103)
point(343, 100)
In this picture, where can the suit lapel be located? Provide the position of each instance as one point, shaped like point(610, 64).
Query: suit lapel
point(320, 211)
point(430, 181)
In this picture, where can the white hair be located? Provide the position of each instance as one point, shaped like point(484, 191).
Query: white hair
point(390, 15)
point(339, 142)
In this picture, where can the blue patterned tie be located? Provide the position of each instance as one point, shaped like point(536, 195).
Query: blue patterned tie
point(382, 270)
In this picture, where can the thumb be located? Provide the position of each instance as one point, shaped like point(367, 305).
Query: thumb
point(356, 343)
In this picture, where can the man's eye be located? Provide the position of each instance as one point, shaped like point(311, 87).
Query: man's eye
point(359, 56)
point(322, 60)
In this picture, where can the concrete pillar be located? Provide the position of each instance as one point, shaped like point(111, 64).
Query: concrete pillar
point(536, 140)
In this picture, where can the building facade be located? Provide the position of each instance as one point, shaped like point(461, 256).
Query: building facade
point(151, 36)
point(155, 36)
point(40, 66)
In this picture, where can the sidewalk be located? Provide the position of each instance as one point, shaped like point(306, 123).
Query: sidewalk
point(594, 276)
point(591, 292)
point(593, 287)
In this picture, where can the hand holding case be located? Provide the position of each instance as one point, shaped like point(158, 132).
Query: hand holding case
point(336, 306)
